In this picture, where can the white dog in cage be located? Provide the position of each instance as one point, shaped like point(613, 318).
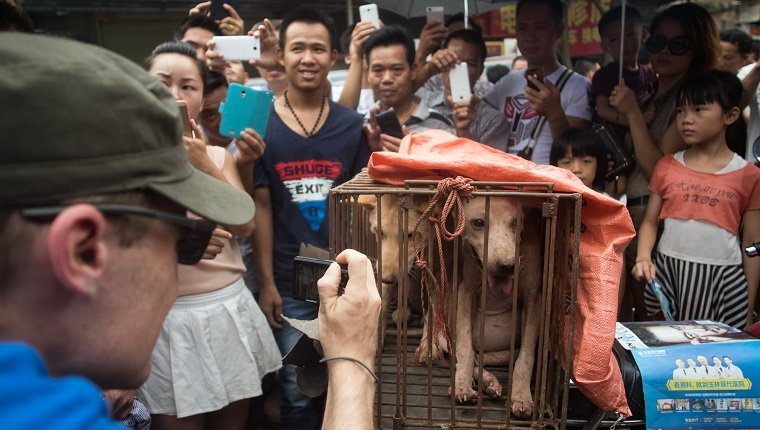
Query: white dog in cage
point(503, 229)
point(392, 243)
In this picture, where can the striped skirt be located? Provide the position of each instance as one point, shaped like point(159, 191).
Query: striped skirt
point(698, 291)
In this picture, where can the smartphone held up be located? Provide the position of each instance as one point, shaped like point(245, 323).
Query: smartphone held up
point(535, 73)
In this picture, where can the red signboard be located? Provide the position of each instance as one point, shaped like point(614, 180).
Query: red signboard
point(580, 23)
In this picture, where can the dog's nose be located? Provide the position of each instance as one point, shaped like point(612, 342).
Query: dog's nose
point(505, 268)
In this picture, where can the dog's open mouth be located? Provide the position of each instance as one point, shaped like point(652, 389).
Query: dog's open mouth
point(500, 285)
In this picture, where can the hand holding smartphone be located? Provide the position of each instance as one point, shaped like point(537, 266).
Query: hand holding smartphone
point(218, 11)
point(536, 73)
point(187, 128)
point(434, 14)
point(368, 12)
point(242, 48)
point(459, 83)
point(245, 108)
point(388, 123)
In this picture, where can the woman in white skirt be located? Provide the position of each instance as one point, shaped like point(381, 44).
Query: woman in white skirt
point(215, 345)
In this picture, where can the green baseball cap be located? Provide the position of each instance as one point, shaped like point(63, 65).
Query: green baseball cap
point(80, 120)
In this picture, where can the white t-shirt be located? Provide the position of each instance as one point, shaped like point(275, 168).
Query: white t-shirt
point(508, 97)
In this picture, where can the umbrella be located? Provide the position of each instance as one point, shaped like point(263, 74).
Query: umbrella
point(412, 8)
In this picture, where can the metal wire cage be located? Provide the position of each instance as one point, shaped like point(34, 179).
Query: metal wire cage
point(414, 393)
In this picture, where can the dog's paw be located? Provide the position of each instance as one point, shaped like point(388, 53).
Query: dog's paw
point(491, 385)
point(463, 392)
point(436, 353)
point(522, 409)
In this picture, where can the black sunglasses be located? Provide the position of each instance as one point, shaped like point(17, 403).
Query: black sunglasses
point(678, 45)
point(190, 247)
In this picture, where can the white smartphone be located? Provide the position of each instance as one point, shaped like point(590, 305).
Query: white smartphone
point(242, 48)
point(434, 14)
point(368, 12)
point(459, 82)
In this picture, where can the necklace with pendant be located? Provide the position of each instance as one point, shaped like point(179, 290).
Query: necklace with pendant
point(298, 120)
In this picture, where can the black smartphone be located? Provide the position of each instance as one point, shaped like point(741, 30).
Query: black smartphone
point(307, 271)
point(537, 74)
point(388, 123)
point(219, 12)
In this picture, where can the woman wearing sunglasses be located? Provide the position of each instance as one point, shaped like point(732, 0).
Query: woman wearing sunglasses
point(683, 40)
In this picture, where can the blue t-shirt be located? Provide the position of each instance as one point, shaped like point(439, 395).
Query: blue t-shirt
point(31, 399)
point(300, 172)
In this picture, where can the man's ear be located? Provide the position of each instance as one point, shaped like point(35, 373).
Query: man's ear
point(77, 249)
point(333, 57)
point(280, 55)
point(413, 74)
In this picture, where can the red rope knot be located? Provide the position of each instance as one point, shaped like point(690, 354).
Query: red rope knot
point(455, 190)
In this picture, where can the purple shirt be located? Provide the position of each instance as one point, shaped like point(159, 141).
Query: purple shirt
point(641, 81)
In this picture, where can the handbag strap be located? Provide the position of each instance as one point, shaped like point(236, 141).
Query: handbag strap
point(563, 78)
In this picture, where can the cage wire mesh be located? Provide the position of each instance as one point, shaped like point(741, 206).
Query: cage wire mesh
point(414, 387)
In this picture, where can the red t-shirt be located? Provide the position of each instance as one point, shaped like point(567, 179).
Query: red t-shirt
point(720, 199)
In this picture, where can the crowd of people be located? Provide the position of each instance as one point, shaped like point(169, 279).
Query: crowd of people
point(93, 287)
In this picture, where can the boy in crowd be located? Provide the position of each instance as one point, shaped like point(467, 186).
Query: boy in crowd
point(639, 78)
point(389, 53)
point(356, 92)
point(313, 144)
point(539, 27)
point(736, 50)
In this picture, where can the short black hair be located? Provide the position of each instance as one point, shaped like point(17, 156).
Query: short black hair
point(616, 14)
point(584, 65)
point(197, 21)
point(14, 19)
point(345, 39)
point(738, 38)
point(518, 58)
point(496, 72)
point(582, 142)
point(712, 86)
point(181, 48)
point(214, 81)
point(472, 37)
point(309, 16)
point(554, 5)
point(391, 35)
point(460, 17)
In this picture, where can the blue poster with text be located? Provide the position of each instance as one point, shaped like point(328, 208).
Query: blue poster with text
point(696, 374)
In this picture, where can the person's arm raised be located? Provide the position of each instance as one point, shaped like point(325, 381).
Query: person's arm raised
point(352, 88)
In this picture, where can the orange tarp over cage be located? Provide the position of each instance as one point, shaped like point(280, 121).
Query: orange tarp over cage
point(436, 154)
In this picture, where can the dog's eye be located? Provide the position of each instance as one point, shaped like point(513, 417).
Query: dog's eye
point(513, 225)
point(478, 223)
point(410, 235)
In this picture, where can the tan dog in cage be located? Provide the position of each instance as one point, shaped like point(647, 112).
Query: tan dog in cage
point(392, 245)
point(503, 231)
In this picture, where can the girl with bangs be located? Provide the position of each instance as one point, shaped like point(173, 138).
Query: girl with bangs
point(705, 194)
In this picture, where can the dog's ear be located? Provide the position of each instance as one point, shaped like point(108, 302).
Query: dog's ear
point(368, 201)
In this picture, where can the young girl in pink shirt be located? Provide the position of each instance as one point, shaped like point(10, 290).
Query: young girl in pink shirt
point(709, 199)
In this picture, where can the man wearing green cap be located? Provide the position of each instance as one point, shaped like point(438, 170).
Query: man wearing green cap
point(95, 188)
point(96, 184)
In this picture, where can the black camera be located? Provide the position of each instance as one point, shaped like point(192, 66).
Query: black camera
point(307, 271)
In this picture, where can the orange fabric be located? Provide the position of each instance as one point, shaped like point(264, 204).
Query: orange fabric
point(436, 154)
